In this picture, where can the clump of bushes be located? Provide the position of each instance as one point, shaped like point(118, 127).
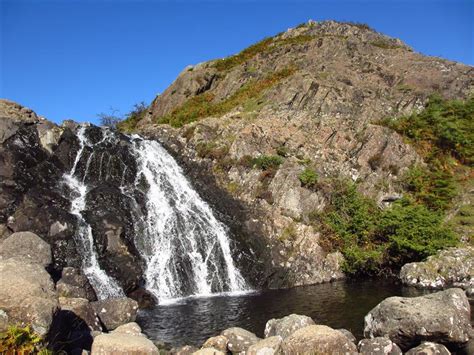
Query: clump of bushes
point(267, 162)
point(21, 340)
point(203, 105)
point(371, 238)
point(308, 177)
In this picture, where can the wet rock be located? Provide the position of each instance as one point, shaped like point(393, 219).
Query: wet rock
point(143, 297)
point(267, 346)
point(82, 311)
point(115, 312)
point(27, 294)
point(27, 246)
point(320, 339)
point(451, 267)
point(348, 334)
point(378, 346)
point(74, 284)
point(218, 342)
point(239, 340)
point(428, 348)
point(121, 343)
point(443, 317)
point(287, 325)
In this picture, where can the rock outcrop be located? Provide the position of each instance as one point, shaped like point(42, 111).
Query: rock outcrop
point(442, 317)
point(311, 96)
point(451, 267)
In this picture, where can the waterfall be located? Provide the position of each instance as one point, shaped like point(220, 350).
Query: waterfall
point(186, 249)
point(104, 286)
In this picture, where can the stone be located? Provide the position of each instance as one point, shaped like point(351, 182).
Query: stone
point(27, 294)
point(378, 346)
point(129, 328)
point(83, 310)
point(429, 348)
point(450, 267)
point(209, 351)
point(442, 316)
point(144, 298)
point(267, 346)
point(114, 312)
point(74, 283)
point(27, 246)
point(3, 320)
point(121, 343)
point(348, 334)
point(239, 340)
point(286, 326)
point(319, 339)
point(218, 342)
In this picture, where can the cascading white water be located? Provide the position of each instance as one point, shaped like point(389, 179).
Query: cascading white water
point(104, 286)
point(186, 249)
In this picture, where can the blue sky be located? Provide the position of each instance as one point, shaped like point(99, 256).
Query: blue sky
point(75, 59)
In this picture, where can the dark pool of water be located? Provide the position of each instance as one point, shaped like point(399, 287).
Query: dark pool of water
point(338, 305)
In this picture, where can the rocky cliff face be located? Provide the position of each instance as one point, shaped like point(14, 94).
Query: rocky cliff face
point(308, 97)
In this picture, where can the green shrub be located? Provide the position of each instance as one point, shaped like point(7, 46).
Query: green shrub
point(267, 162)
point(308, 177)
point(19, 340)
point(371, 239)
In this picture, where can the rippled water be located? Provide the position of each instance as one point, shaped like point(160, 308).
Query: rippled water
point(339, 305)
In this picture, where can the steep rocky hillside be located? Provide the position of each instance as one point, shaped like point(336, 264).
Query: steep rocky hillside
point(269, 133)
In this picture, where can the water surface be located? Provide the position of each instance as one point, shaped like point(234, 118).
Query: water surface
point(340, 304)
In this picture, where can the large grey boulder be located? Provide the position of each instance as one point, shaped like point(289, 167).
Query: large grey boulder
point(451, 267)
point(27, 294)
point(218, 342)
point(443, 317)
point(317, 339)
point(378, 346)
point(267, 346)
point(27, 246)
point(239, 340)
point(286, 326)
point(429, 348)
point(83, 310)
point(74, 284)
point(115, 312)
point(119, 343)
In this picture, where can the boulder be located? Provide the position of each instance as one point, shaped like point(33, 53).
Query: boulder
point(267, 346)
point(27, 294)
point(82, 310)
point(348, 334)
point(442, 317)
point(428, 348)
point(286, 326)
point(239, 340)
point(451, 267)
point(378, 346)
point(122, 343)
point(218, 342)
point(74, 283)
point(209, 351)
point(27, 246)
point(144, 298)
point(129, 328)
point(319, 339)
point(115, 312)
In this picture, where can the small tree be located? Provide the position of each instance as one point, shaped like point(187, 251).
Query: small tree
point(109, 119)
